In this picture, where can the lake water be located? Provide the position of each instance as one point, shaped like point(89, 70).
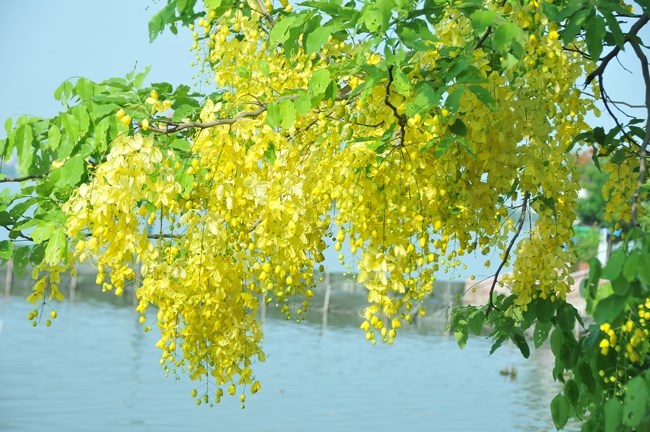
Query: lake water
point(95, 370)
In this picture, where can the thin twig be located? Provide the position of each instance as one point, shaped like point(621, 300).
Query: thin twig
point(487, 33)
point(613, 102)
point(22, 179)
point(614, 52)
point(520, 224)
point(642, 150)
point(605, 98)
point(173, 127)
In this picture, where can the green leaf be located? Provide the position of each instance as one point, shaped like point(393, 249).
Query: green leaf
point(484, 96)
point(458, 128)
point(23, 143)
point(620, 286)
point(482, 19)
point(63, 92)
point(42, 232)
point(281, 114)
point(53, 137)
point(520, 342)
point(507, 34)
point(302, 103)
point(415, 33)
point(36, 254)
point(425, 98)
point(614, 265)
point(139, 78)
point(572, 392)
point(545, 310)
point(319, 82)
point(165, 16)
point(609, 308)
point(635, 402)
point(444, 145)
point(453, 99)
point(72, 171)
point(269, 153)
point(71, 126)
point(264, 67)
point(565, 317)
point(376, 16)
point(57, 247)
point(243, 72)
point(461, 337)
point(181, 5)
point(575, 23)
point(614, 27)
point(557, 341)
point(6, 249)
point(21, 259)
point(560, 410)
point(595, 33)
point(83, 119)
point(475, 322)
point(587, 377)
point(280, 30)
point(632, 265)
point(316, 39)
point(84, 88)
point(617, 157)
point(401, 82)
point(644, 271)
point(184, 111)
point(541, 332)
point(613, 413)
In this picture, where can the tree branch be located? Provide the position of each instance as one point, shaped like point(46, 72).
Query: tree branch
point(614, 52)
point(177, 127)
point(401, 118)
point(173, 127)
point(520, 225)
point(605, 98)
point(22, 179)
point(646, 139)
point(487, 33)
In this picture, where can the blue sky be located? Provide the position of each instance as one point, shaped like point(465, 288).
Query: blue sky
point(43, 43)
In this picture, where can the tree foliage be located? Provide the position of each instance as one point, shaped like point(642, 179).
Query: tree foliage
point(413, 133)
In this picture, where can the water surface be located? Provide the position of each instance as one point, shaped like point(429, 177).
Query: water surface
point(95, 369)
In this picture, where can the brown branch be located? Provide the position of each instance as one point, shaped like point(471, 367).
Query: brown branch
point(401, 118)
point(172, 235)
point(614, 52)
point(487, 33)
point(265, 12)
point(605, 98)
point(173, 127)
point(22, 179)
point(646, 139)
point(520, 225)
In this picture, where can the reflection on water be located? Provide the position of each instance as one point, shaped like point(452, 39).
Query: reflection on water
point(96, 370)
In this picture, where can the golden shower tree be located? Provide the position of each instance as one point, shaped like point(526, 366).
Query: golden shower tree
point(412, 133)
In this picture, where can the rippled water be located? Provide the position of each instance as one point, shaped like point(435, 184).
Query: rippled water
point(95, 369)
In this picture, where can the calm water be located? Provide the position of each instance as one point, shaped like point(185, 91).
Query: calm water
point(95, 369)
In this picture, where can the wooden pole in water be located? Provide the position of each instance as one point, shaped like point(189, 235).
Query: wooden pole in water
point(137, 282)
point(73, 283)
point(9, 277)
point(326, 301)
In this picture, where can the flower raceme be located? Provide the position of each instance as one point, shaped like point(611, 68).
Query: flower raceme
point(243, 214)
